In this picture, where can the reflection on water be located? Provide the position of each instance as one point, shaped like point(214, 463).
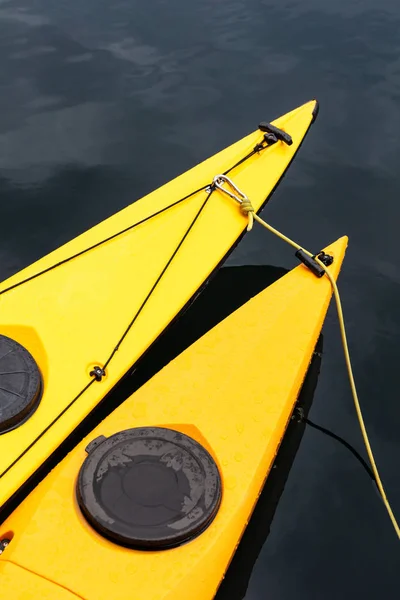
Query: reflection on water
point(103, 101)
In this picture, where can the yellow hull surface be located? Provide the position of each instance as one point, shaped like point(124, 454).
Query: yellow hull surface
point(233, 392)
point(105, 307)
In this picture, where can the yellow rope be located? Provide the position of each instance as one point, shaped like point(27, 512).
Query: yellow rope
point(248, 210)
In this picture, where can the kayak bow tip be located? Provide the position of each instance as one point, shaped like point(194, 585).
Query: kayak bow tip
point(315, 109)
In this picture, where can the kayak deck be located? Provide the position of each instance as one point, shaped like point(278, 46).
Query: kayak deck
point(23, 585)
point(233, 391)
point(105, 307)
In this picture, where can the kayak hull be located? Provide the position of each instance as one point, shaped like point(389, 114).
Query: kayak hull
point(107, 305)
point(233, 392)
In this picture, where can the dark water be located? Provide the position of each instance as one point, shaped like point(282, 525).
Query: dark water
point(101, 102)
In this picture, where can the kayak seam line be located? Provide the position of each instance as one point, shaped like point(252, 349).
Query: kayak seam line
point(60, 585)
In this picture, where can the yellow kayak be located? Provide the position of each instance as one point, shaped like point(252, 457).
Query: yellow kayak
point(152, 504)
point(75, 322)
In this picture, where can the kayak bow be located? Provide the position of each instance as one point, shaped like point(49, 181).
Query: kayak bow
point(156, 511)
point(76, 321)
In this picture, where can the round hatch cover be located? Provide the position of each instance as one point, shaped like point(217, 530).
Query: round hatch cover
point(149, 488)
point(20, 384)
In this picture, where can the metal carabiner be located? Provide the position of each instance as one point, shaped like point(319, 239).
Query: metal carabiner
point(244, 201)
point(218, 182)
